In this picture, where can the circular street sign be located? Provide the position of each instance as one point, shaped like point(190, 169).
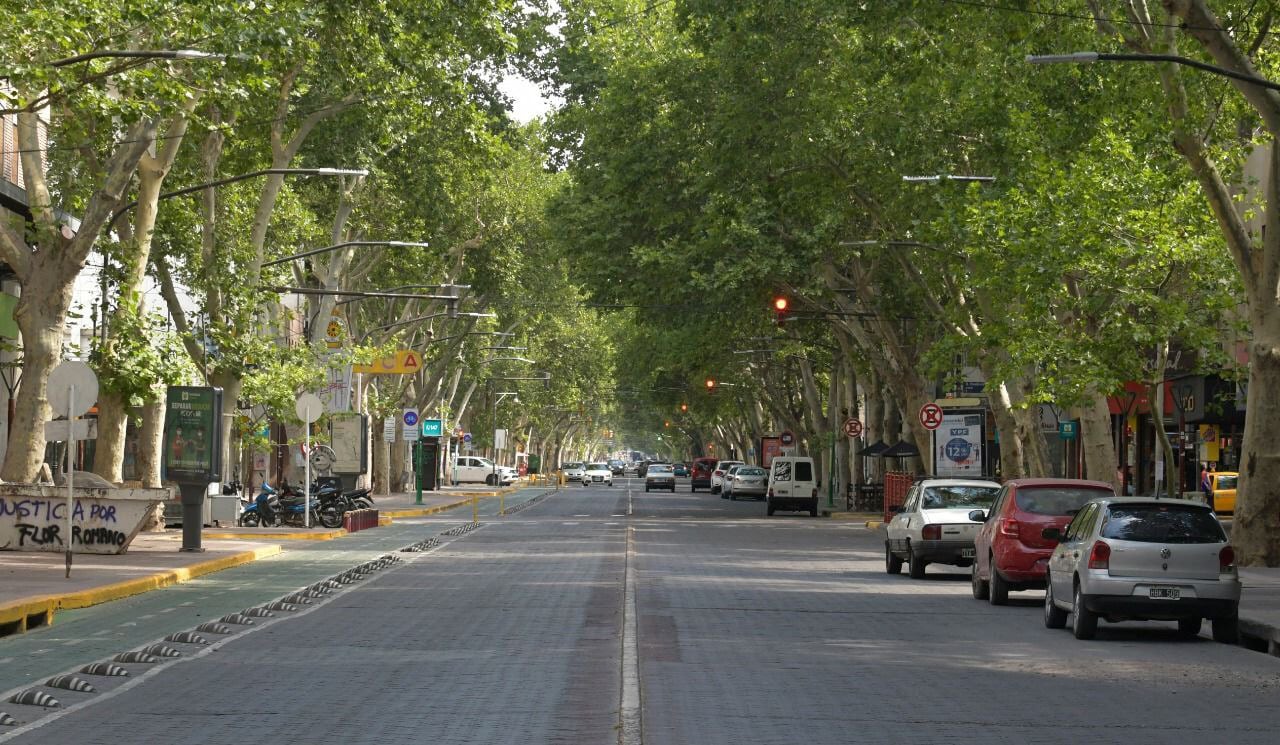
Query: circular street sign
point(931, 416)
point(466, 437)
point(410, 417)
point(309, 407)
point(66, 375)
point(852, 428)
point(787, 438)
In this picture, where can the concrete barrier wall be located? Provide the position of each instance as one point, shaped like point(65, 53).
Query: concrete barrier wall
point(103, 521)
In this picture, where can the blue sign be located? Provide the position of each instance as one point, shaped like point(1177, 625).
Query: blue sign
point(410, 417)
point(467, 438)
point(432, 428)
point(958, 450)
point(1067, 430)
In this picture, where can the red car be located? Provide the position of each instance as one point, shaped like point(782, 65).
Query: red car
point(700, 473)
point(1010, 552)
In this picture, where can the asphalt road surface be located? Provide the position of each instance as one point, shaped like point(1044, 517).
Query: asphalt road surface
point(611, 615)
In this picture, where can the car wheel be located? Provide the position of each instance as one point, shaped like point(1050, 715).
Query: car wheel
point(998, 589)
point(692, 488)
point(490, 480)
point(646, 488)
point(1054, 617)
point(915, 565)
point(1085, 622)
point(980, 587)
point(1227, 630)
point(1189, 626)
point(892, 564)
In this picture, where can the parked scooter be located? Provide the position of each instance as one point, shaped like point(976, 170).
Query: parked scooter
point(272, 508)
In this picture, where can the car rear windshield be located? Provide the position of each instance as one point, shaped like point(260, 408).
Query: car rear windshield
point(751, 471)
point(1163, 523)
point(1227, 482)
point(942, 497)
point(1056, 500)
point(659, 469)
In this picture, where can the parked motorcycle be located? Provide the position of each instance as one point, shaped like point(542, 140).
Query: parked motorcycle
point(271, 508)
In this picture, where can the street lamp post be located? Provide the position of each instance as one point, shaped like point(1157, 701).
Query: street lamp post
point(1091, 57)
point(336, 246)
point(138, 54)
point(242, 177)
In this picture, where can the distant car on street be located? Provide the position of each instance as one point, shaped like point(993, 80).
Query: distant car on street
point(474, 469)
point(933, 524)
point(717, 476)
point(746, 481)
point(680, 470)
point(597, 473)
point(1131, 558)
point(700, 473)
point(1011, 551)
point(572, 471)
point(660, 476)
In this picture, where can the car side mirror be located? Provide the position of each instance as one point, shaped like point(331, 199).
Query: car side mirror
point(978, 516)
point(1051, 534)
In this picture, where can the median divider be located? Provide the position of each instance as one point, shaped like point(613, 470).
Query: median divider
point(21, 615)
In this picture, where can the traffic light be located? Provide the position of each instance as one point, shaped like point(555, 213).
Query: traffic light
point(711, 385)
point(666, 424)
point(684, 407)
point(781, 305)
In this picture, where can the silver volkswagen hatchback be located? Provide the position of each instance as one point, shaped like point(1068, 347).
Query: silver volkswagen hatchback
point(1143, 559)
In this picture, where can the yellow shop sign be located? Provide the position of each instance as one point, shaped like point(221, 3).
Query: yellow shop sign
point(404, 362)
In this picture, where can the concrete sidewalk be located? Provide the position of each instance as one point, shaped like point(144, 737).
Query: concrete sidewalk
point(34, 586)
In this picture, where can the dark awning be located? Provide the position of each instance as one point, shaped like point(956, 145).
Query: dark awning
point(874, 448)
point(901, 449)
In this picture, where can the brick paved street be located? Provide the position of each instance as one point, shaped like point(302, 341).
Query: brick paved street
point(749, 630)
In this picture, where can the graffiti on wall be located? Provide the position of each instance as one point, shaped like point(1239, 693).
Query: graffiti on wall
point(98, 525)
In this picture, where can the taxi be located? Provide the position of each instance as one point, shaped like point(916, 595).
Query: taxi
point(1222, 485)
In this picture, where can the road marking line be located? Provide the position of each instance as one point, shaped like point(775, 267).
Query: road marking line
point(631, 729)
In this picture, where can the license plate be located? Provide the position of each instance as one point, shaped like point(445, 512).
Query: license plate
point(1165, 593)
point(966, 553)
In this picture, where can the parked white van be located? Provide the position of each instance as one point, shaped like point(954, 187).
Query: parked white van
point(793, 485)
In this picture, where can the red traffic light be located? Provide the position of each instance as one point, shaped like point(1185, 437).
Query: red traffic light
point(684, 407)
point(781, 304)
point(711, 384)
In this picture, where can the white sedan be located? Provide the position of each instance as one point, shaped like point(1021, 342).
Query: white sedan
point(597, 473)
point(933, 524)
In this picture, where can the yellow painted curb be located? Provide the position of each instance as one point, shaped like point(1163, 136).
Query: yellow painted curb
point(293, 535)
point(19, 611)
point(421, 511)
point(855, 516)
point(874, 524)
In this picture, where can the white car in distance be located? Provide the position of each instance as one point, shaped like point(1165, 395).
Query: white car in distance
point(933, 524)
point(572, 471)
point(597, 473)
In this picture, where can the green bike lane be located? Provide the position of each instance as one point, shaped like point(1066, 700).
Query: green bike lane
point(86, 635)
